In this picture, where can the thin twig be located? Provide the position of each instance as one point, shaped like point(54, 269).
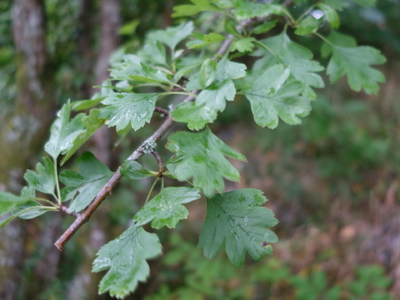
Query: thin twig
point(160, 162)
point(161, 110)
point(64, 209)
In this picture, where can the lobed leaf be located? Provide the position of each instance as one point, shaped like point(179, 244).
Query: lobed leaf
point(45, 177)
point(122, 109)
point(195, 8)
point(330, 14)
point(308, 25)
point(247, 10)
point(271, 96)
point(355, 62)
point(297, 57)
point(172, 35)
point(84, 186)
point(64, 132)
point(166, 208)
point(200, 156)
point(125, 257)
point(133, 170)
point(222, 89)
point(92, 123)
point(238, 219)
point(132, 68)
point(195, 116)
point(8, 202)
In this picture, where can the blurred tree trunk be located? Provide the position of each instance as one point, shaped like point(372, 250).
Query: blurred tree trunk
point(24, 130)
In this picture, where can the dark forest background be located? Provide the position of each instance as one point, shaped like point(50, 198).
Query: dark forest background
point(333, 181)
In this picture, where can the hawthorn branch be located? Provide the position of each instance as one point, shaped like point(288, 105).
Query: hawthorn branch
point(160, 162)
point(84, 216)
point(161, 110)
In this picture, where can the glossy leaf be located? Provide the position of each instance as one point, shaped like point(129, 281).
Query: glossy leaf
point(239, 219)
point(355, 62)
point(85, 185)
point(243, 44)
point(64, 132)
point(44, 179)
point(132, 68)
point(222, 89)
point(125, 257)
point(195, 116)
point(205, 40)
point(172, 35)
point(297, 57)
point(200, 156)
point(123, 109)
point(265, 27)
point(208, 72)
point(166, 208)
point(308, 25)
point(247, 10)
point(338, 39)
point(133, 170)
point(8, 202)
point(92, 123)
point(192, 9)
point(271, 96)
point(330, 14)
point(30, 210)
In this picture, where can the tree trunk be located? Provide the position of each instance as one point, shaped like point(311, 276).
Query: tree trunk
point(23, 131)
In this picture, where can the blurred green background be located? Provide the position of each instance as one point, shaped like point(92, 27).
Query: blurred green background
point(333, 182)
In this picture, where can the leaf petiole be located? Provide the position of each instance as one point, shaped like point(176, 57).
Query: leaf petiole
point(151, 189)
point(57, 182)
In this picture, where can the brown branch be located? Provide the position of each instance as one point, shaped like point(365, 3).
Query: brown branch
point(161, 110)
point(160, 162)
point(64, 209)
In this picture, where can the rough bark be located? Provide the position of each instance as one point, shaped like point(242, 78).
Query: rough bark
point(23, 131)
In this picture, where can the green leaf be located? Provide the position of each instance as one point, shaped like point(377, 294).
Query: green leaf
point(63, 132)
point(338, 39)
point(129, 28)
point(44, 179)
point(271, 96)
point(125, 257)
point(153, 53)
point(238, 218)
point(94, 175)
point(6, 221)
point(30, 210)
point(265, 27)
point(230, 28)
point(92, 123)
point(166, 208)
point(172, 35)
point(134, 69)
point(133, 170)
point(8, 202)
point(308, 25)
point(190, 10)
point(297, 57)
point(247, 10)
point(196, 116)
point(243, 44)
point(208, 72)
point(355, 62)
point(186, 66)
point(330, 14)
point(201, 156)
point(85, 104)
point(204, 40)
point(123, 109)
point(222, 89)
